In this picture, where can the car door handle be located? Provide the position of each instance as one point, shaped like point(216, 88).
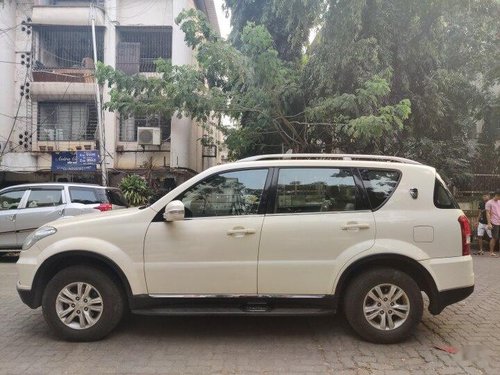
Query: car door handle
point(12, 217)
point(355, 226)
point(240, 231)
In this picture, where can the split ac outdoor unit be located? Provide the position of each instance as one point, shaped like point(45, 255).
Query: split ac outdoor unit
point(148, 136)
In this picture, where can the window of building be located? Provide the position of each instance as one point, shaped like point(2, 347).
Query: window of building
point(67, 47)
point(139, 47)
point(302, 190)
point(129, 125)
point(226, 194)
point(66, 121)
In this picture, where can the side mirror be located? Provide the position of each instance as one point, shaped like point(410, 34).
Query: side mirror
point(174, 211)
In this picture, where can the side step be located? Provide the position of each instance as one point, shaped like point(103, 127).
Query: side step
point(244, 310)
point(243, 305)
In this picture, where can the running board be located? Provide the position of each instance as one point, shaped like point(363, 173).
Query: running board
point(245, 310)
point(147, 305)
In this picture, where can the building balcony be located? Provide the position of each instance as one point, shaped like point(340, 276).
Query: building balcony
point(47, 90)
point(81, 75)
point(74, 13)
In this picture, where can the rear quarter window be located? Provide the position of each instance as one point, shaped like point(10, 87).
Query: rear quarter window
point(443, 197)
point(86, 195)
point(379, 185)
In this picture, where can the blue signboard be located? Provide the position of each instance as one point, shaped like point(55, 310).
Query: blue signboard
point(87, 157)
point(66, 161)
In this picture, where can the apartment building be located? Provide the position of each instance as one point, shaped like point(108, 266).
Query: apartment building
point(48, 107)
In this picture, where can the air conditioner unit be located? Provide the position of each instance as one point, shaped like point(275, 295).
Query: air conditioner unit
point(148, 136)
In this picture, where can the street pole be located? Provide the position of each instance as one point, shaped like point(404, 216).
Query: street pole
point(100, 127)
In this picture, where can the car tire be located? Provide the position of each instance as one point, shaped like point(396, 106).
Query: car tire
point(89, 302)
point(383, 305)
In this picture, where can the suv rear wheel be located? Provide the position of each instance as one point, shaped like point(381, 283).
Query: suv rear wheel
point(82, 304)
point(383, 305)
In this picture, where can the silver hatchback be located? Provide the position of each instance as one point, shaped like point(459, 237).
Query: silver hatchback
point(24, 208)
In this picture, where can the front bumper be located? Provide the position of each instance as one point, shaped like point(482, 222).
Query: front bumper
point(28, 297)
point(448, 297)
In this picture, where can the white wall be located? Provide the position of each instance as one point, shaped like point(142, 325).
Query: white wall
point(7, 71)
point(145, 12)
point(181, 128)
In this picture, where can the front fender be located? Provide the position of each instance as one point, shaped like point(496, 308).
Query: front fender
point(132, 269)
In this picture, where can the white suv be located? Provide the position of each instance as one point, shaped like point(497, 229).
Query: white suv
point(272, 234)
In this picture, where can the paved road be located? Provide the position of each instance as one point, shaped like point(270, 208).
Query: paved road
point(246, 345)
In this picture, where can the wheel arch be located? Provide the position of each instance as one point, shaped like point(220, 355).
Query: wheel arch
point(402, 263)
point(49, 268)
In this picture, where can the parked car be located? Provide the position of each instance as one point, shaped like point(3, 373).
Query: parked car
point(275, 234)
point(24, 208)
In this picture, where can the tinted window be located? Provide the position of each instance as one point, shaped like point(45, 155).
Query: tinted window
point(116, 197)
point(379, 185)
point(10, 200)
point(442, 196)
point(315, 190)
point(86, 195)
point(44, 198)
point(226, 194)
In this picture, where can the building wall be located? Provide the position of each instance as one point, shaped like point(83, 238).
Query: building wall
point(7, 70)
point(183, 151)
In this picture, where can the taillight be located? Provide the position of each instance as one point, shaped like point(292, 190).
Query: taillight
point(466, 233)
point(104, 207)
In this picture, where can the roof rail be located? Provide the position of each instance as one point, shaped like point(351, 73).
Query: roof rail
point(394, 159)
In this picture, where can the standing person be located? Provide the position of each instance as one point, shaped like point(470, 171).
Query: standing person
point(482, 222)
point(493, 217)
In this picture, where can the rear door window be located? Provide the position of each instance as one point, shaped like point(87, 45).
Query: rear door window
point(302, 190)
point(379, 185)
point(44, 198)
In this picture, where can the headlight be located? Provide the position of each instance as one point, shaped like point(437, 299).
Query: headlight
point(37, 235)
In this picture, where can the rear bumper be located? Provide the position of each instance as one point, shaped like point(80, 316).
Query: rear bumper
point(448, 297)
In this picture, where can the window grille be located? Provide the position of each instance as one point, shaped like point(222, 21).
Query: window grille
point(66, 121)
point(139, 47)
point(67, 47)
point(129, 125)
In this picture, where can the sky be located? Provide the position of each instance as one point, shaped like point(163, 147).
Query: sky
point(224, 23)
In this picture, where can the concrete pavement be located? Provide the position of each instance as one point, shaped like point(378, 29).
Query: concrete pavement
point(257, 345)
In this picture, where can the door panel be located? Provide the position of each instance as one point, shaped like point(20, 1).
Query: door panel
point(319, 216)
point(298, 252)
point(9, 202)
point(214, 249)
point(42, 206)
point(199, 256)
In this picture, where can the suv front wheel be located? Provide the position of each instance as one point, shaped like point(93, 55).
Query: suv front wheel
point(82, 303)
point(383, 305)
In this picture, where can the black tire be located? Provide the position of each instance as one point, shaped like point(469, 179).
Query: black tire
point(110, 293)
point(354, 301)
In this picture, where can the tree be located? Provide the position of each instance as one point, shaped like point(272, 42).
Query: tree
point(289, 22)
point(253, 85)
point(440, 54)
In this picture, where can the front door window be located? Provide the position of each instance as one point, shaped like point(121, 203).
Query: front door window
point(227, 194)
